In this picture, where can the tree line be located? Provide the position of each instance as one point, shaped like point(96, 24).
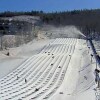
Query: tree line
point(88, 21)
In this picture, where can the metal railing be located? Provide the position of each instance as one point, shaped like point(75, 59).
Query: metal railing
point(97, 71)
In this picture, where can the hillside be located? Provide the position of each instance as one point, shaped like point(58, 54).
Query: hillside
point(67, 74)
point(86, 20)
point(53, 66)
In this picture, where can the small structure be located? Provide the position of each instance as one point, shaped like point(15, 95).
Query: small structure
point(36, 89)
point(85, 77)
point(51, 64)
point(91, 57)
point(97, 77)
point(17, 77)
point(61, 93)
point(8, 54)
point(53, 57)
point(25, 80)
point(59, 67)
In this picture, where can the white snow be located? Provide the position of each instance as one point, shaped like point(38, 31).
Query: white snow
point(97, 46)
point(19, 55)
point(54, 69)
point(30, 19)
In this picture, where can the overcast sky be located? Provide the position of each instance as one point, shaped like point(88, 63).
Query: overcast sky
point(47, 5)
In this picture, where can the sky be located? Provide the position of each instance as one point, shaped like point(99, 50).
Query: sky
point(48, 5)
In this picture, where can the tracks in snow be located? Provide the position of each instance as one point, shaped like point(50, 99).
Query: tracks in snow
point(44, 73)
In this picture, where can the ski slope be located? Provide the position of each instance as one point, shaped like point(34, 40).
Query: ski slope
point(45, 76)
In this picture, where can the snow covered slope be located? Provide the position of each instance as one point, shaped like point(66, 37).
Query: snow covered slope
point(62, 70)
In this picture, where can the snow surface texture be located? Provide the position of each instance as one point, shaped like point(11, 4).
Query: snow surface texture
point(97, 46)
point(62, 70)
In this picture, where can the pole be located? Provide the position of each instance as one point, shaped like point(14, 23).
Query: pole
point(1, 41)
point(96, 64)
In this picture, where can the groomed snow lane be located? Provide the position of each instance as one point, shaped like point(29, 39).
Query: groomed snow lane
point(41, 75)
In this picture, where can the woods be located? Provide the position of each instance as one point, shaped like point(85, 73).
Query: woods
point(87, 21)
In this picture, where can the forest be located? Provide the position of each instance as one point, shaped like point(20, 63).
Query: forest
point(88, 21)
